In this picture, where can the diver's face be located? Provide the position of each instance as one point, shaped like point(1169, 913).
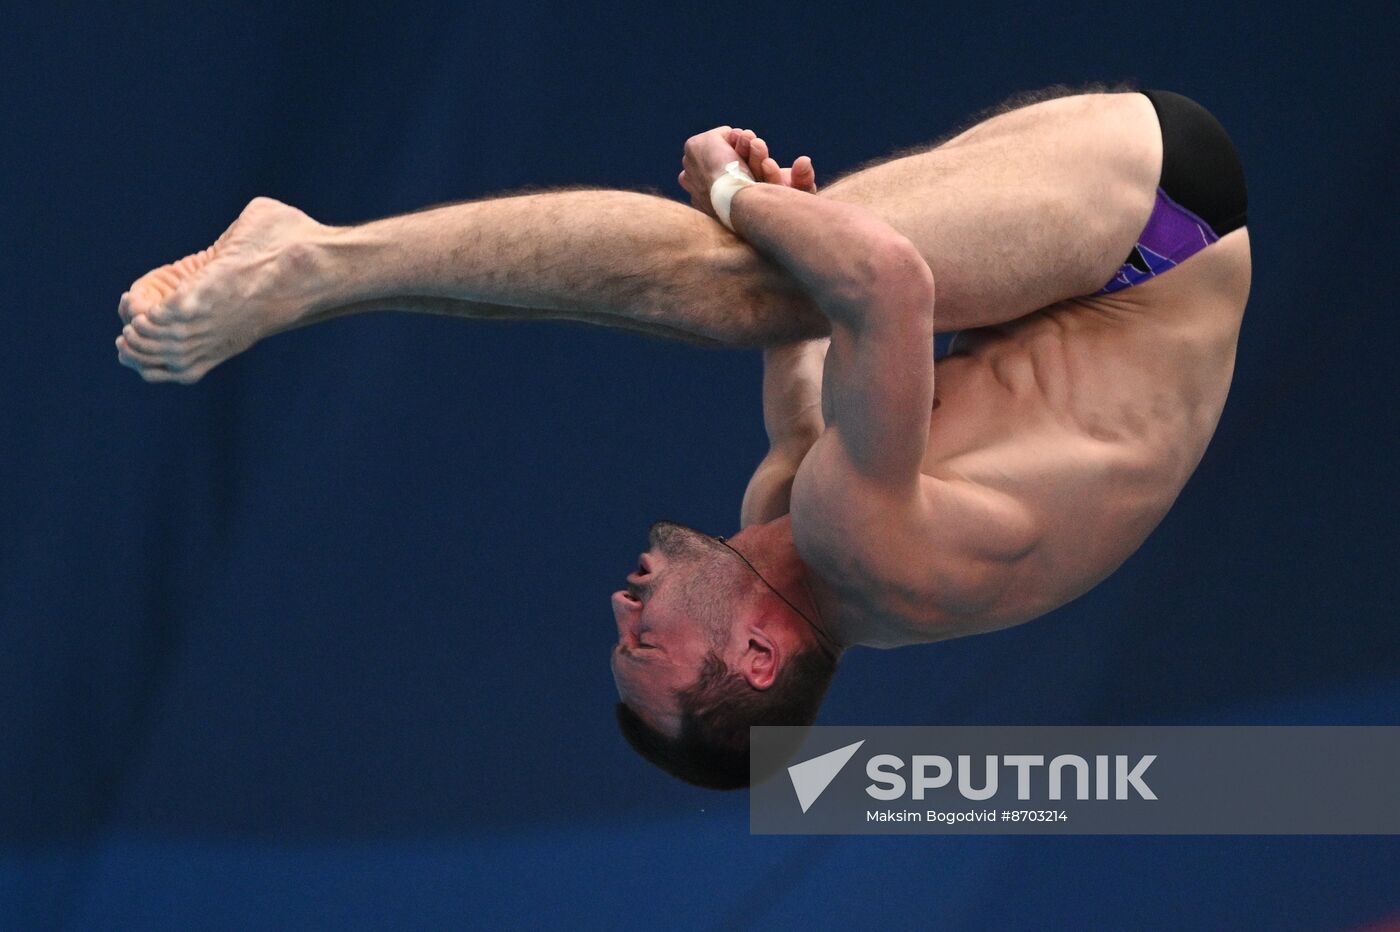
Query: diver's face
point(662, 634)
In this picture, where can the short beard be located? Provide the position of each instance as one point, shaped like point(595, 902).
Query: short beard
point(676, 541)
point(714, 587)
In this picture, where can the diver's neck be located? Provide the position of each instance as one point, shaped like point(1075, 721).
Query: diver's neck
point(771, 549)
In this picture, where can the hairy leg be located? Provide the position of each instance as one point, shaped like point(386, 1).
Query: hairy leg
point(456, 307)
point(1024, 210)
point(613, 258)
point(1032, 207)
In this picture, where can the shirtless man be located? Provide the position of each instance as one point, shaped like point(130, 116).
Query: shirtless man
point(1067, 418)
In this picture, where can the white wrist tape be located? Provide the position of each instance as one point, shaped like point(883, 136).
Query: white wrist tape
point(722, 192)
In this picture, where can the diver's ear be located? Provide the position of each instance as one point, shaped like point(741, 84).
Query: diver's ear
point(759, 664)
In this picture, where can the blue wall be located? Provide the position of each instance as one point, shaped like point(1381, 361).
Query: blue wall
point(322, 640)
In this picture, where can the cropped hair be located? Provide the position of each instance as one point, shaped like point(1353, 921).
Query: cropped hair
point(712, 747)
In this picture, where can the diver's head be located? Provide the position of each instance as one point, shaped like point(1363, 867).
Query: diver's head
point(706, 648)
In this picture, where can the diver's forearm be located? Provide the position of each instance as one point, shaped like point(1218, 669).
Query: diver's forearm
point(836, 250)
point(792, 395)
point(609, 257)
point(768, 495)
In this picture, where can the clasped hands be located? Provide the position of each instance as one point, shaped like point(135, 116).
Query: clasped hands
point(707, 153)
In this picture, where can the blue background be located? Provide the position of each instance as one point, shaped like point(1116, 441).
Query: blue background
point(321, 641)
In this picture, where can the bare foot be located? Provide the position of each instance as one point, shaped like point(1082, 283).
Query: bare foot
point(183, 319)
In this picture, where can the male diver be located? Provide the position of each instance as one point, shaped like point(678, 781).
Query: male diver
point(1089, 248)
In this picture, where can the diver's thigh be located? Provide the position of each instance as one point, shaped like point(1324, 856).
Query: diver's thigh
point(1028, 209)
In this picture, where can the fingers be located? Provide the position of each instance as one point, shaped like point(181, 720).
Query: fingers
point(695, 200)
point(742, 141)
point(721, 131)
point(754, 154)
point(753, 150)
point(766, 167)
point(758, 151)
point(801, 176)
point(804, 175)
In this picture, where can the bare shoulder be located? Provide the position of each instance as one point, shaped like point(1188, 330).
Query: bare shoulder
point(925, 559)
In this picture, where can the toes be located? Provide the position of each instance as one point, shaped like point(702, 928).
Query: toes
point(153, 341)
point(144, 327)
point(181, 307)
point(192, 374)
point(143, 344)
point(160, 304)
point(162, 326)
point(156, 374)
point(142, 299)
point(157, 368)
point(131, 357)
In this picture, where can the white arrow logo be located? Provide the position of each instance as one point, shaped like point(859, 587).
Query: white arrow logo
point(811, 777)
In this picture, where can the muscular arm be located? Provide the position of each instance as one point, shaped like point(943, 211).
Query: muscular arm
point(864, 515)
point(878, 294)
point(792, 418)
